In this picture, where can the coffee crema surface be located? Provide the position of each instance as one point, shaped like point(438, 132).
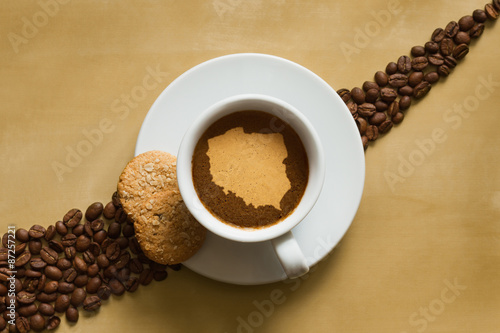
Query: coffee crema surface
point(250, 169)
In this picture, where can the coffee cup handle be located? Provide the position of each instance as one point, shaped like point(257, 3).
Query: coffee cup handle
point(290, 255)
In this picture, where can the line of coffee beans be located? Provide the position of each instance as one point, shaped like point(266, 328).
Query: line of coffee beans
point(75, 264)
point(380, 104)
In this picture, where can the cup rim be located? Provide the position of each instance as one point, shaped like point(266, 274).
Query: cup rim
point(220, 109)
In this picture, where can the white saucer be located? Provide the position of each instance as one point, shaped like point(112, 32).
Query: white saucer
point(198, 88)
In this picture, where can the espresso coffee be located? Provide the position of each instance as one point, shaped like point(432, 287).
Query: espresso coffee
point(250, 169)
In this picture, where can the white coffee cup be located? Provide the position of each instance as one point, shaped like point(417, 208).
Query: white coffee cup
point(280, 234)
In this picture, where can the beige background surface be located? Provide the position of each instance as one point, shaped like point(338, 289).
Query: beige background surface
point(437, 226)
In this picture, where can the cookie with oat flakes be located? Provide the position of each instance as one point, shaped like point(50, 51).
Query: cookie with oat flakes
point(145, 175)
point(166, 231)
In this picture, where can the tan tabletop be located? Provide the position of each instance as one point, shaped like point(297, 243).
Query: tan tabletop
point(423, 252)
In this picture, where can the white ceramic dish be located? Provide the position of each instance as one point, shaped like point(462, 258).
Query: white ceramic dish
point(203, 85)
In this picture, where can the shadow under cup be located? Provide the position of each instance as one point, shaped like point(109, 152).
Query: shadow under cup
point(307, 135)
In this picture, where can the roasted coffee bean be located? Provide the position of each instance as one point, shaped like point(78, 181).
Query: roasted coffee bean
point(87, 228)
point(50, 233)
point(377, 118)
point(462, 38)
point(406, 91)
point(78, 230)
point(134, 244)
point(345, 94)
point(431, 77)
point(438, 35)
point(110, 272)
point(421, 89)
point(432, 47)
point(53, 322)
point(72, 314)
point(37, 263)
point(476, 31)
point(496, 4)
point(104, 292)
point(63, 264)
point(419, 63)
point(49, 255)
point(162, 275)
point(37, 322)
point(367, 85)
point(446, 46)
point(120, 216)
point(94, 211)
point(32, 274)
point(22, 235)
point(93, 270)
point(418, 51)
point(391, 111)
point(466, 22)
point(61, 228)
point(123, 242)
point(451, 29)
point(23, 259)
point(491, 12)
point(391, 68)
point(415, 78)
point(72, 218)
point(88, 257)
point(27, 310)
point(100, 236)
point(388, 94)
point(56, 246)
point(65, 287)
point(92, 303)
point(51, 287)
point(46, 298)
point(381, 78)
point(24, 297)
point(371, 134)
point(450, 62)
point(128, 229)
point(46, 309)
point(404, 103)
point(70, 275)
point(404, 64)
point(380, 106)
point(116, 199)
point(4, 274)
point(436, 59)
point(113, 250)
point(53, 273)
point(70, 252)
point(62, 303)
point(19, 248)
point(93, 285)
point(382, 128)
point(398, 80)
point(81, 280)
point(443, 70)
point(102, 261)
point(157, 266)
point(68, 240)
point(479, 16)
point(117, 288)
point(371, 97)
point(353, 108)
point(132, 284)
point(36, 231)
point(97, 225)
point(41, 282)
point(360, 122)
point(364, 141)
point(147, 275)
point(357, 95)
point(460, 51)
point(80, 265)
point(78, 296)
point(94, 249)
point(22, 325)
point(82, 243)
point(124, 257)
point(124, 274)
